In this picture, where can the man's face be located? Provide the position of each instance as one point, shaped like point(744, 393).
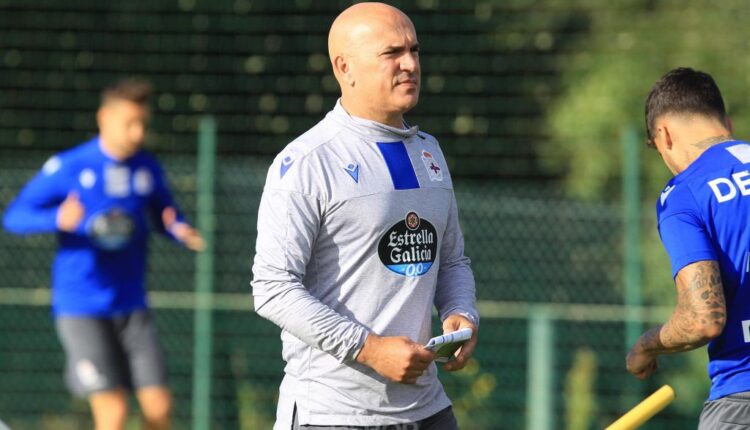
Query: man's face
point(122, 124)
point(385, 66)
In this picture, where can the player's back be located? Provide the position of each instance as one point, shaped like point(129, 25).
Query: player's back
point(719, 182)
point(713, 196)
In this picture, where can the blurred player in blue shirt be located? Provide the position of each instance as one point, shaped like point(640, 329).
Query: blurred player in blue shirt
point(703, 214)
point(98, 198)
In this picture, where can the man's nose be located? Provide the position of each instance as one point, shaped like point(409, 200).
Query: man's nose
point(410, 62)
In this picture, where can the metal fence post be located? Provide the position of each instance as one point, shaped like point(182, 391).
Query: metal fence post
point(539, 391)
point(204, 275)
point(632, 235)
point(631, 250)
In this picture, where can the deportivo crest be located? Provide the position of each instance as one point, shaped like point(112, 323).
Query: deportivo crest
point(409, 247)
point(433, 168)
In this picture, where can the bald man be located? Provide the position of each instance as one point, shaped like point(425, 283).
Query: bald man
point(358, 239)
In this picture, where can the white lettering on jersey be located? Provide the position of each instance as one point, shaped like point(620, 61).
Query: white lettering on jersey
point(728, 193)
point(725, 189)
point(665, 193)
point(117, 181)
point(741, 152)
point(742, 183)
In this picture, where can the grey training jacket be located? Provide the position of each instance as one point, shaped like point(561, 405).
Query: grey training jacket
point(357, 232)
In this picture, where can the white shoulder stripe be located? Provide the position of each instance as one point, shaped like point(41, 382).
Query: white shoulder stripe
point(741, 152)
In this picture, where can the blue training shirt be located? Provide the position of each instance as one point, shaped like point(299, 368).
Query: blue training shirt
point(703, 214)
point(99, 269)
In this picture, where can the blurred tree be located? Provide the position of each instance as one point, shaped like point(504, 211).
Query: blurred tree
point(631, 44)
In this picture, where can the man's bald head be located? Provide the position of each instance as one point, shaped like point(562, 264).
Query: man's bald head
point(360, 21)
point(374, 53)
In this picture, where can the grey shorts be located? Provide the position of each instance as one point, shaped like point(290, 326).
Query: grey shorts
point(727, 413)
point(443, 420)
point(104, 354)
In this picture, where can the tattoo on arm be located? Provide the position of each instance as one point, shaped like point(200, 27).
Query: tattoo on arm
point(699, 315)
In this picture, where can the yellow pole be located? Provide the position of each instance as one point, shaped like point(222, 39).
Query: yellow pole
point(643, 411)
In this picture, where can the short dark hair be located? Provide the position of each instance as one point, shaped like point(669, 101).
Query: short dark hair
point(683, 90)
point(136, 90)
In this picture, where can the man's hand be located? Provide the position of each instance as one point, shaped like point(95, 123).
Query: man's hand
point(641, 364)
point(698, 318)
point(183, 232)
point(454, 323)
point(70, 213)
point(397, 358)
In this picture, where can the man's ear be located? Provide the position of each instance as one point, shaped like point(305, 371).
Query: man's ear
point(729, 125)
point(342, 68)
point(667, 137)
point(663, 134)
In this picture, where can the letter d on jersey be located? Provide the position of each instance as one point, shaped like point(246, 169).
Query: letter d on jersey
point(725, 192)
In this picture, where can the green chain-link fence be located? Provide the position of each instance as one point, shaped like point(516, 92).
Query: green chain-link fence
point(549, 268)
point(534, 254)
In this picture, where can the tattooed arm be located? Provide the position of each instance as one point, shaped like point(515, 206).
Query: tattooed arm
point(697, 318)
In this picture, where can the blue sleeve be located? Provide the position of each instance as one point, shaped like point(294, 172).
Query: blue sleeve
point(161, 199)
point(35, 208)
point(686, 240)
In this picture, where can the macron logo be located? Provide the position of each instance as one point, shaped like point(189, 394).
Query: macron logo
point(353, 171)
point(286, 163)
point(665, 193)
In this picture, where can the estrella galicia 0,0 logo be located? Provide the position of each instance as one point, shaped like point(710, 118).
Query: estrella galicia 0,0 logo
point(409, 247)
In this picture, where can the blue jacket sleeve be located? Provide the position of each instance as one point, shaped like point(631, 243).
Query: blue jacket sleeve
point(686, 241)
point(35, 208)
point(161, 199)
point(682, 228)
